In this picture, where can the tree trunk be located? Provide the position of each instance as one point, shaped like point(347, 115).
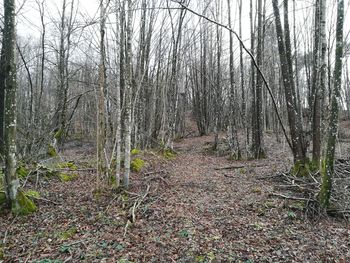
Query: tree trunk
point(284, 48)
point(101, 115)
point(9, 85)
point(128, 91)
point(328, 164)
point(315, 107)
point(257, 133)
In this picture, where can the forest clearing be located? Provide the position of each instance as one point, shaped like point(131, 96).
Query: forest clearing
point(174, 131)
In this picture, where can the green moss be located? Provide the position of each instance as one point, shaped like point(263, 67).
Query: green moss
point(1, 180)
point(58, 134)
point(242, 171)
point(301, 169)
point(23, 205)
point(297, 205)
point(22, 172)
point(137, 164)
point(135, 151)
point(257, 190)
point(325, 191)
point(2, 252)
point(68, 233)
point(51, 151)
point(2, 198)
point(168, 153)
point(65, 177)
point(32, 193)
point(68, 165)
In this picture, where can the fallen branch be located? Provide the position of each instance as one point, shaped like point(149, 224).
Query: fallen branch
point(268, 177)
point(292, 197)
point(153, 172)
point(156, 178)
point(229, 167)
point(45, 200)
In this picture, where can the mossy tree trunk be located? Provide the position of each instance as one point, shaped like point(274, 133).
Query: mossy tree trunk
point(2, 109)
point(8, 72)
point(328, 164)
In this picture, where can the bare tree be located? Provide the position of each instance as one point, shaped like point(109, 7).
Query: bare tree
point(327, 169)
point(128, 92)
point(101, 115)
point(284, 47)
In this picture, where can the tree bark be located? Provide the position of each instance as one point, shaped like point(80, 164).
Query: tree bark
point(284, 48)
point(101, 114)
point(258, 144)
point(8, 72)
point(128, 91)
point(328, 164)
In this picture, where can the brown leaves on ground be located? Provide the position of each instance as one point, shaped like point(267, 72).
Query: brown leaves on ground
point(189, 211)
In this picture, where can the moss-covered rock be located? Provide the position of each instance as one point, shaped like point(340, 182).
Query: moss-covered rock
point(65, 177)
point(137, 164)
point(23, 205)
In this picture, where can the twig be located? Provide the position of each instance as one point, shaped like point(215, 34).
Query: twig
point(7, 230)
point(46, 200)
point(110, 203)
point(268, 177)
point(158, 177)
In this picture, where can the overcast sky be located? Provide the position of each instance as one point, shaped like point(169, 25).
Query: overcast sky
point(28, 22)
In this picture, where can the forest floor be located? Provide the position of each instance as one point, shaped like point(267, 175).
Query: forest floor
point(183, 209)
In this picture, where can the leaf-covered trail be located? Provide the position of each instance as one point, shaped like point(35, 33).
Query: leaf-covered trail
point(228, 213)
point(191, 212)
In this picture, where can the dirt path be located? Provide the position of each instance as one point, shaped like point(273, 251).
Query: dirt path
point(192, 213)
